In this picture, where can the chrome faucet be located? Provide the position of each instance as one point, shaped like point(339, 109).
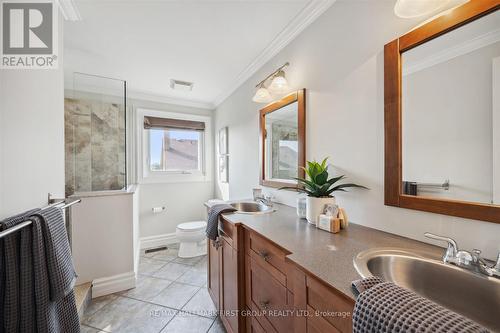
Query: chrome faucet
point(469, 260)
point(265, 199)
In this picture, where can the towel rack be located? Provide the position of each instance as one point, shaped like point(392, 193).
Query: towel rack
point(445, 186)
point(27, 223)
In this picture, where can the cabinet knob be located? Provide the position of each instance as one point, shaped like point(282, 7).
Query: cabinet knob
point(264, 255)
point(264, 305)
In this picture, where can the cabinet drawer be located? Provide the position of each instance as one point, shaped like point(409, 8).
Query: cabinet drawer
point(328, 307)
point(268, 296)
point(269, 256)
point(258, 324)
point(319, 325)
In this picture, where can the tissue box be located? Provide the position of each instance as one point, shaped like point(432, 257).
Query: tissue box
point(333, 224)
point(329, 223)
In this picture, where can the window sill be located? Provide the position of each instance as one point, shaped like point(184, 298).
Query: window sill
point(175, 178)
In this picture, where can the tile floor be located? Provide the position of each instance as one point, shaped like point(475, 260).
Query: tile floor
point(171, 296)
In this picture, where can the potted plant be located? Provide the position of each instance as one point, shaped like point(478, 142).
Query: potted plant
point(319, 188)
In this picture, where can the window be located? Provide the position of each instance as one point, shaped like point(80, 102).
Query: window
point(175, 150)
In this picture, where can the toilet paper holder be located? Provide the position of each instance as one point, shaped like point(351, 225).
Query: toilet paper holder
point(157, 210)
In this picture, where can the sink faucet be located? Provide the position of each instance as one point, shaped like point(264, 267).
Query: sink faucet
point(265, 199)
point(465, 259)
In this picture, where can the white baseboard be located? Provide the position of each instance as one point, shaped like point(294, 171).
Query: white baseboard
point(113, 284)
point(158, 240)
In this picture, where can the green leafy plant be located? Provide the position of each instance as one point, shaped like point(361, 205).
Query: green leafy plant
point(316, 184)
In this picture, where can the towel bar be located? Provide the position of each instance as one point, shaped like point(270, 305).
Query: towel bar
point(27, 223)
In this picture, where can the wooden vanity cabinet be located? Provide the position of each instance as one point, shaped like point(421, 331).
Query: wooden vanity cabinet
point(329, 310)
point(225, 276)
point(247, 272)
point(213, 271)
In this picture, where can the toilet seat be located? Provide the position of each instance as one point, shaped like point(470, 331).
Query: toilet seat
point(192, 226)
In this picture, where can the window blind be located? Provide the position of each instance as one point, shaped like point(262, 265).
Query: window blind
point(156, 122)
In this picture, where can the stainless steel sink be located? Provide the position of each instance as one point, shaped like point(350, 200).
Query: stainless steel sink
point(465, 292)
point(251, 207)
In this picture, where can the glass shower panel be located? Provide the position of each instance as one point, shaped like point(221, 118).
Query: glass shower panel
point(95, 134)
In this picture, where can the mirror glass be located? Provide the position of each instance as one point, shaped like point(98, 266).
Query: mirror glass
point(281, 149)
point(451, 114)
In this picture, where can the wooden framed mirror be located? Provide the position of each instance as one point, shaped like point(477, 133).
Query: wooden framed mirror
point(442, 114)
point(283, 140)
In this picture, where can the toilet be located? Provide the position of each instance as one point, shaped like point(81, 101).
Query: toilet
point(192, 238)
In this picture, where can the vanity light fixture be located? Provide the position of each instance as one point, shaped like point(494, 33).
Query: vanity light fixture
point(279, 85)
point(417, 8)
point(262, 95)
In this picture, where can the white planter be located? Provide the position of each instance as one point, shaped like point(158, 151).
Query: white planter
point(315, 207)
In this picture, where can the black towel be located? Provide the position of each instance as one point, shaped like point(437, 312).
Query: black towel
point(15, 273)
point(384, 307)
point(213, 219)
point(37, 294)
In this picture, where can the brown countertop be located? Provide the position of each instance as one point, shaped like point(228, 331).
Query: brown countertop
point(327, 256)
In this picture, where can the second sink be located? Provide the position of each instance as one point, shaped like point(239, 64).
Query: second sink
point(470, 294)
point(251, 207)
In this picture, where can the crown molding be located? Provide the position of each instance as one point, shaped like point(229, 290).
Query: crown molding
point(453, 52)
point(307, 15)
point(69, 10)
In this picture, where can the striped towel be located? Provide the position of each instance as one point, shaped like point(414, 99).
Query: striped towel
point(37, 288)
point(384, 307)
point(212, 230)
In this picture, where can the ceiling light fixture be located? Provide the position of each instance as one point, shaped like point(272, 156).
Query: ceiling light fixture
point(417, 8)
point(279, 85)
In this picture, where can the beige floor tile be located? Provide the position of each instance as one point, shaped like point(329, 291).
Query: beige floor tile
point(147, 287)
point(175, 295)
point(126, 315)
point(188, 323)
point(148, 266)
point(194, 276)
point(201, 304)
point(171, 271)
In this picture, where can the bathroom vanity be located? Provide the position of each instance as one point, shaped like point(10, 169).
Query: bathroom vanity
point(268, 271)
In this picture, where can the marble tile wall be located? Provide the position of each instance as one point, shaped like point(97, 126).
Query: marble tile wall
point(94, 145)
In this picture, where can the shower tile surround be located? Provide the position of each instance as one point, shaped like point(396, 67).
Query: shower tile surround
point(94, 145)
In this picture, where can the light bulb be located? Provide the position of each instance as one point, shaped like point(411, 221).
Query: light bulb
point(279, 84)
point(262, 95)
point(417, 8)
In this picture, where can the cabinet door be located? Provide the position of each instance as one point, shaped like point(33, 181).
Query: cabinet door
point(229, 304)
point(213, 272)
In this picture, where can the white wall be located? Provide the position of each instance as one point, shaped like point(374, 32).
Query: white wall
point(184, 200)
point(339, 59)
point(31, 136)
point(104, 237)
point(445, 137)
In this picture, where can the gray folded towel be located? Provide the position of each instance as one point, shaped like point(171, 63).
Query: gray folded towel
point(212, 230)
point(62, 276)
point(361, 285)
point(384, 307)
point(36, 288)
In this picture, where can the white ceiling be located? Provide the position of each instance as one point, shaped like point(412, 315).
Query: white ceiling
point(215, 44)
